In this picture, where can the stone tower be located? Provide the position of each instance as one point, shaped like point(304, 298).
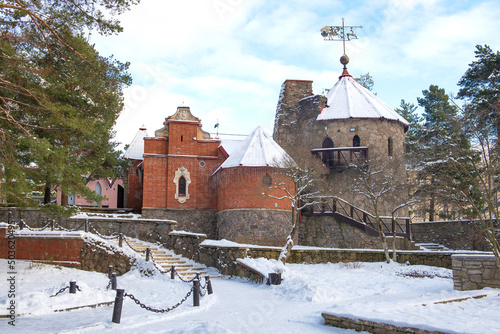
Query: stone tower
point(350, 128)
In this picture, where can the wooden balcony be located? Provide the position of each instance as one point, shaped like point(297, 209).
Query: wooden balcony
point(339, 158)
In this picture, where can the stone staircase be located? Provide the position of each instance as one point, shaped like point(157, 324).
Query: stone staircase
point(432, 247)
point(165, 259)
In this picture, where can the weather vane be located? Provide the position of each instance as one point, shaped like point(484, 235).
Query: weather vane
point(339, 33)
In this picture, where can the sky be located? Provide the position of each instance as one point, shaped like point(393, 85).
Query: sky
point(227, 59)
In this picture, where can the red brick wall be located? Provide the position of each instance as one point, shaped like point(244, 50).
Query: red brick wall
point(155, 145)
point(155, 181)
point(243, 188)
point(134, 191)
point(46, 248)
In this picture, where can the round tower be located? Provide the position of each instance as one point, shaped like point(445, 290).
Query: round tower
point(249, 210)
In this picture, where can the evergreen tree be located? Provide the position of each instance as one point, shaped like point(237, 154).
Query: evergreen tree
point(409, 112)
point(59, 99)
point(480, 88)
point(441, 142)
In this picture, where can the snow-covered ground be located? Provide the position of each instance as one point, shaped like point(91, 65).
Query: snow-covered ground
point(390, 293)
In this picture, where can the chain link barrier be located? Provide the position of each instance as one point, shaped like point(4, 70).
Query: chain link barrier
point(182, 278)
point(135, 250)
point(36, 229)
point(69, 230)
point(103, 236)
point(64, 289)
point(152, 309)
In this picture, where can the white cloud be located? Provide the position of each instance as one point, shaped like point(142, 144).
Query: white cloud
point(227, 59)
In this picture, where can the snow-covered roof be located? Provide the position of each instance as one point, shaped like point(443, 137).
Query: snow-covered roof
point(230, 145)
point(257, 150)
point(136, 148)
point(349, 99)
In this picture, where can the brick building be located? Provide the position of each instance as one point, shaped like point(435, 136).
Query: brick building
point(208, 185)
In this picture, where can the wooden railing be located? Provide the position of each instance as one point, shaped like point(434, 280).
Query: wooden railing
point(340, 158)
point(343, 210)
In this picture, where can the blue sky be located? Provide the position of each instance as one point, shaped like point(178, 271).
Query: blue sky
point(227, 59)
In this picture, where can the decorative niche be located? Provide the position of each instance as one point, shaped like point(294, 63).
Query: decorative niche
point(182, 180)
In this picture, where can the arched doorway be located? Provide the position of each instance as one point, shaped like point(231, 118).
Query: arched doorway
point(327, 156)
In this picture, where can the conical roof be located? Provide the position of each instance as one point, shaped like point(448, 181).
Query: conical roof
point(257, 150)
point(136, 148)
point(349, 99)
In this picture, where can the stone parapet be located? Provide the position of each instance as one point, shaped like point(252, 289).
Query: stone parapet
point(195, 220)
point(474, 272)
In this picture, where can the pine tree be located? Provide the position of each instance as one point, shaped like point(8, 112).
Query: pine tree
point(59, 99)
point(441, 139)
point(480, 88)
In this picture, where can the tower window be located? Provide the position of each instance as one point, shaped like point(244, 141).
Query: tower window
point(182, 186)
point(389, 146)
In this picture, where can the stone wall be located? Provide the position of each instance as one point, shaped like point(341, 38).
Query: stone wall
point(326, 231)
point(151, 230)
point(260, 227)
point(193, 220)
point(474, 272)
point(371, 326)
point(464, 235)
point(97, 256)
point(34, 217)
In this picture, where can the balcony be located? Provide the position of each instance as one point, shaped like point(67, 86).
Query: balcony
point(339, 158)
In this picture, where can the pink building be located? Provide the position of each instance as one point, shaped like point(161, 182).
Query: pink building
point(112, 190)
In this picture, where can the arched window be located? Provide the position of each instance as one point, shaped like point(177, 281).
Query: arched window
point(356, 141)
point(327, 156)
point(389, 146)
point(98, 189)
point(182, 186)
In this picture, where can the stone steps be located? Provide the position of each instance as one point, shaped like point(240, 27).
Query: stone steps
point(433, 247)
point(165, 259)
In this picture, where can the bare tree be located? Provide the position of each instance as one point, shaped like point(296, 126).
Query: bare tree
point(376, 182)
point(305, 179)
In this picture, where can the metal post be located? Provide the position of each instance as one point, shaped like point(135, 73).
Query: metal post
point(86, 225)
point(196, 293)
point(21, 224)
point(147, 254)
point(117, 310)
point(172, 272)
point(120, 240)
point(209, 285)
point(113, 281)
point(110, 271)
point(9, 217)
point(72, 287)
point(52, 225)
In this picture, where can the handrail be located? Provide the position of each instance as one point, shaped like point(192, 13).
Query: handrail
point(336, 205)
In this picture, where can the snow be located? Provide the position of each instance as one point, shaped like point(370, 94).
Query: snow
point(136, 148)
point(390, 293)
point(257, 150)
point(349, 99)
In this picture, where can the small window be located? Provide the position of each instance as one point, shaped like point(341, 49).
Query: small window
point(182, 137)
point(389, 146)
point(267, 180)
point(202, 163)
point(182, 186)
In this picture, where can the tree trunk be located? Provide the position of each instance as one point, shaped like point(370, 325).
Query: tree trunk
point(64, 196)
point(432, 205)
point(46, 193)
point(287, 249)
